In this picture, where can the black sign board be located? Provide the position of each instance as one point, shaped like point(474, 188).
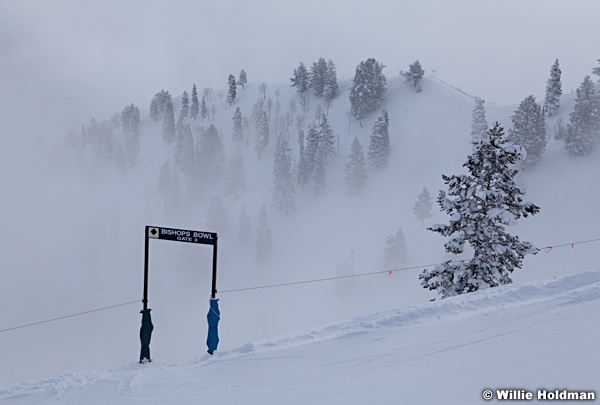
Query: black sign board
point(181, 235)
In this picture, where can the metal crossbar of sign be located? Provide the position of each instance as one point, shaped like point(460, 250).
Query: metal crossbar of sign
point(179, 235)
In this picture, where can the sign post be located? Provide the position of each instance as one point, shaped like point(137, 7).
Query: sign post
point(177, 235)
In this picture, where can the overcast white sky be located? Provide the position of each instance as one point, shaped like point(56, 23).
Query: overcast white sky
point(76, 59)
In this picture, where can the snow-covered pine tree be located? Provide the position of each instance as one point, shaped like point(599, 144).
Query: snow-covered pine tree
point(211, 154)
point(243, 79)
point(423, 206)
point(203, 108)
point(479, 125)
point(262, 134)
point(235, 178)
point(584, 123)
point(238, 127)
point(130, 118)
point(553, 90)
point(158, 104)
point(529, 130)
point(480, 205)
point(300, 79)
point(168, 127)
point(154, 111)
point(394, 252)
point(264, 238)
point(356, 169)
point(318, 172)
point(330, 89)
point(195, 107)
point(283, 179)
point(327, 138)
point(379, 147)
point(231, 94)
point(184, 112)
point(313, 140)
point(368, 88)
point(244, 236)
point(303, 173)
point(414, 75)
point(318, 71)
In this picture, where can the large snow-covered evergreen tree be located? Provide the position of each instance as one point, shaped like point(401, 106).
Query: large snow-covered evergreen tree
point(584, 124)
point(184, 112)
point(356, 169)
point(158, 104)
point(379, 148)
point(262, 134)
point(232, 92)
point(130, 121)
point(303, 171)
point(243, 79)
point(414, 75)
point(313, 140)
point(553, 90)
point(368, 88)
point(203, 108)
point(300, 79)
point(168, 126)
point(195, 107)
point(480, 204)
point(238, 127)
point(184, 150)
point(327, 138)
point(211, 155)
point(479, 125)
point(318, 72)
point(330, 89)
point(283, 180)
point(529, 130)
point(423, 206)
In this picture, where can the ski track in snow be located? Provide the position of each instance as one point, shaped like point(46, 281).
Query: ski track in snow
point(377, 358)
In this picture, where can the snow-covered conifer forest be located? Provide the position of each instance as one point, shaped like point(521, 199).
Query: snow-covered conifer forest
point(374, 217)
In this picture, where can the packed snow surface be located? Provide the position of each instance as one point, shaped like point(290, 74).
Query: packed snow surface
point(534, 335)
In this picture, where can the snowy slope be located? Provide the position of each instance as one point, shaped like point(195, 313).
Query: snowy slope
point(537, 335)
point(88, 250)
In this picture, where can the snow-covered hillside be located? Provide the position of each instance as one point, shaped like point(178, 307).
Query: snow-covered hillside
point(88, 253)
point(528, 336)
